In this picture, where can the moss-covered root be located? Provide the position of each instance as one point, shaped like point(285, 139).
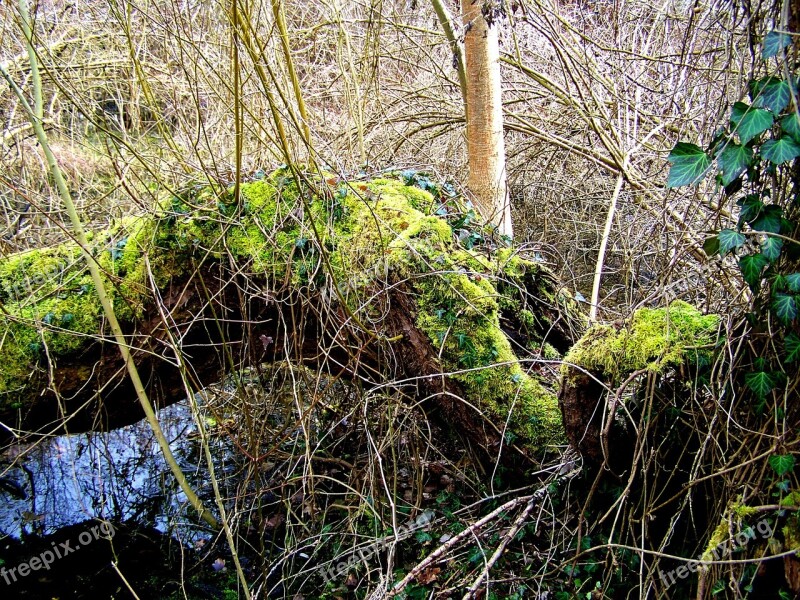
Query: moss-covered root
point(652, 341)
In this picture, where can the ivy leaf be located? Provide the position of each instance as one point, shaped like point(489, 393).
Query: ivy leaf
point(711, 246)
point(782, 464)
point(760, 382)
point(778, 283)
point(771, 248)
point(733, 160)
point(689, 165)
point(751, 267)
point(738, 110)
point(756, 86)
point(790, 125)
point(785, 308)
point(754, 122)
point(781, 150)
point(729, 240)
point(776, 96)
point(769, 220)
point(792, 345)
point(751, 207)
point(718, 141)
point(774, 42)
point(423, 537)
point(793, 282)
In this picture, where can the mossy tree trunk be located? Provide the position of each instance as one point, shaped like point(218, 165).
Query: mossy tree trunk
point(652, 344)
point(364, 286)
point(484, 111)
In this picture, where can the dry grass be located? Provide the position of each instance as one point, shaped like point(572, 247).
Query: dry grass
point(141, 97)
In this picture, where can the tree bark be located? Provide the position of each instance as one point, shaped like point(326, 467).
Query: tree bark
point(484, 109)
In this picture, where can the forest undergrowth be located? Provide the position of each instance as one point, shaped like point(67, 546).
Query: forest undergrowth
point(666, 134)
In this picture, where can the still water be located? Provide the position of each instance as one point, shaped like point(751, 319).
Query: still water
point(118, 475)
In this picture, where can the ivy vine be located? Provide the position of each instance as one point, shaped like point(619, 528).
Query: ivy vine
point(754, 157)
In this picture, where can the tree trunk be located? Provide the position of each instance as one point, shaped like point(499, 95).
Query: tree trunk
point(484, 108)
point(299, 273)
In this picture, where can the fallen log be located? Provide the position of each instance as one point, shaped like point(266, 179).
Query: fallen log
point(360, 280)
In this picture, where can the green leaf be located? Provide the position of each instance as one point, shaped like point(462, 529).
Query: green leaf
point(738, 110)
point(754, 122)
point(771, 248)
point(719, 140)
point(423, 537)
point(781, 150)
point(793, 282)
point(774, 42)
point(751, 207)
point(778, 283)
point(776, 96)
point(752, 267)
point(769, 220)
point(711, 246)
point(782, 464)
point(792, 345)
point(729, 240)
point(689, 165)
point(733, 160)
point(756, 86)
point(720, 585)
point(785, 308)
point(791, 125)
point(760, 382)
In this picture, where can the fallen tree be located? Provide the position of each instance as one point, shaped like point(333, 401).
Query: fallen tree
point(612, 364)
point(365, 280)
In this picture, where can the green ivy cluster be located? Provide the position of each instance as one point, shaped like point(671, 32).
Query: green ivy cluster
point(755, 155)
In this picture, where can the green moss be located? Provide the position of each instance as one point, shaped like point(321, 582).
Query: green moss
point(527, 319)
point(791, 499)
point(418, 199)
point(653, 339)
point(365, 232)
point(550, 353)
point(719, 536)
point(50, 311)
point(791, 532)
point(51, 303)
point(743, 511)
point(513, 265)
point(459, 310)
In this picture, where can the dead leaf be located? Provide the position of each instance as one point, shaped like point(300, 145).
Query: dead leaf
point(274, 521)
point(791, 569)
point(351, 582)
point(428, 576)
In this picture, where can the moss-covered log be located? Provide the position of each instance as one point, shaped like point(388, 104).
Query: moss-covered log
point(595, 371)
point(362, 280)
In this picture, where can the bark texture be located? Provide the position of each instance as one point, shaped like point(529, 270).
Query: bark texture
point(484, 108)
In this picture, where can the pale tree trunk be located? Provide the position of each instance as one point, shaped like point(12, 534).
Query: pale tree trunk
point(484, 107)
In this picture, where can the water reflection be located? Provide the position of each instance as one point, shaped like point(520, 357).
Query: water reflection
point(118, 475)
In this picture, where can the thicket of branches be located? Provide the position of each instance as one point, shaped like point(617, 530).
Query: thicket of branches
point(141, 98)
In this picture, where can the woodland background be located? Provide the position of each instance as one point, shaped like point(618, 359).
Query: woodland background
point(141, 97)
